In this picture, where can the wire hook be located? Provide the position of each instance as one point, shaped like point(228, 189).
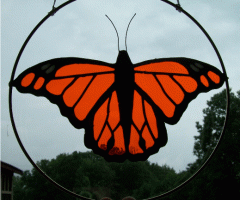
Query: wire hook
point(178, 6)
point(53, 11)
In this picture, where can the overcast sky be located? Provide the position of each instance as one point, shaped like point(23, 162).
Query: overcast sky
point(82, 30)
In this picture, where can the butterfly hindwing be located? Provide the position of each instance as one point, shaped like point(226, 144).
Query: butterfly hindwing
point(106, 137)
point(74, 84)
point(148, 132)
point(171, 84)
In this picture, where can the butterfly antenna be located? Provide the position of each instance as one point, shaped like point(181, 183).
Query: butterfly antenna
point(115, 30)
point(127, 31)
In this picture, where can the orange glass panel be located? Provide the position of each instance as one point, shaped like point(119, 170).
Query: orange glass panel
point(114, 115)
point(149, 84)
point(134, 147)
point(56, 87)
point(119, 145)
point(99, 119)
point(171, 88)
point(73, 93)
point(214, 77)
point(27, 80)
point(188, 83)
point(137, 113)
point(149, 142)
point(39, 83)
point(106, 135)
point(204, 80)
point(151, 118)
point(163, 67)
point(80, 69)
point(96, 89)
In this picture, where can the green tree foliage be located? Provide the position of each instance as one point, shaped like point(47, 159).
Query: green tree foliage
point(91, 176)
point(209, 132)
point(222, 173)
point(221, 176)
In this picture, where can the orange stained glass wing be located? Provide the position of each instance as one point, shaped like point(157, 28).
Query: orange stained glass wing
point(149, 84)
point(80, 69)
point(137, 113)
point(57, 86)
point(39, 83)
point(214, 77)
point(114, 115)
point(106, 135)
point(99, 119)
point(151, 118)
point(188, 83)
point(171, 88)
point(73, 93)
point(134, 147)
point(149, 142)
point(119, 144)
point(204, 80)
point(99, 85)
point(27, 80)
point(163, 67)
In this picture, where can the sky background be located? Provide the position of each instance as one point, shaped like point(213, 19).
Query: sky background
point(82, 30)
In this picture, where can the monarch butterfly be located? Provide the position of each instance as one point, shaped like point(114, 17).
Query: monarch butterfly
point(123, 106)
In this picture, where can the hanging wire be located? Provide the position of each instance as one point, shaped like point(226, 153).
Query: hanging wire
point(54, 4)
point(53, 11)
point(178, 6)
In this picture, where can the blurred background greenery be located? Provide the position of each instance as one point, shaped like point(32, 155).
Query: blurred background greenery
point(91, 176)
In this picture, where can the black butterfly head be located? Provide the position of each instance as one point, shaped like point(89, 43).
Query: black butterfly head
point(123, 58)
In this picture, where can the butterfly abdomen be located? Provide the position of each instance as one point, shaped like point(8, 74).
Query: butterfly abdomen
point(124, 83)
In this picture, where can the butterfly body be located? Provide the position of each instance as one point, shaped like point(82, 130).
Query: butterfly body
point(123, 107)
point(124, 84)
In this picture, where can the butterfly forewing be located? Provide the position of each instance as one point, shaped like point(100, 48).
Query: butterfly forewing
point(74, 84)
point(172, 83)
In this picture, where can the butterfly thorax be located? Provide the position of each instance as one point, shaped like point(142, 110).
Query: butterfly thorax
point(124, 82)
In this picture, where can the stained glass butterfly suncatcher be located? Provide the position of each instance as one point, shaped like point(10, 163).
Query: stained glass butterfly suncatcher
point(123, 107)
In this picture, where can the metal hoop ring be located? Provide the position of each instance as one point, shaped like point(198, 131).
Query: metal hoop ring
point(51, 13)
point(180, 9)
point(177, 6)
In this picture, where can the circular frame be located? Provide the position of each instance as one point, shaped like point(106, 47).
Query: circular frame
point(51, 13)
